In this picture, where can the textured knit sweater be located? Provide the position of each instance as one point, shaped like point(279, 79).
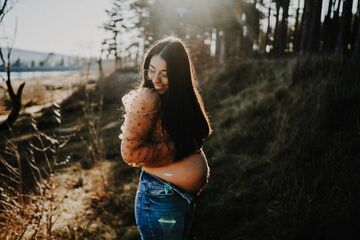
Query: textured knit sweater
point(143, 140)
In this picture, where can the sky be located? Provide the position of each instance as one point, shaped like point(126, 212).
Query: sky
point(69, 27)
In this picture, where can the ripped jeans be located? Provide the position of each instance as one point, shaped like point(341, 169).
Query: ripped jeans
point(162, 210)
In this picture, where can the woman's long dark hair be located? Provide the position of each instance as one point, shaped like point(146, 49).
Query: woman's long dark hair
point(182, 112)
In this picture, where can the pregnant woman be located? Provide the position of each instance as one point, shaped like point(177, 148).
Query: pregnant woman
point(165, 124)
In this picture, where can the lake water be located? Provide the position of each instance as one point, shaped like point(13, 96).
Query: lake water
point(36, 74)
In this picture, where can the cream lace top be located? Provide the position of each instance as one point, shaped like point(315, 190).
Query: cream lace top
point(143, 140)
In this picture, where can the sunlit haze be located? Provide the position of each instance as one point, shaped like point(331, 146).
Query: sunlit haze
point(60, 26)
point(70, 26)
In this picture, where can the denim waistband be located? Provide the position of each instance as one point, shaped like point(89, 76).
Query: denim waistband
point(187, 195)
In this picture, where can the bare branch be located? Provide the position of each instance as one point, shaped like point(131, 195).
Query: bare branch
point(15, 98)
point(2, 10)
point(2, 57)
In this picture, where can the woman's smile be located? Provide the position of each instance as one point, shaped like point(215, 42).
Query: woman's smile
point(161, 88)
point(158, 72)
point(160, 85)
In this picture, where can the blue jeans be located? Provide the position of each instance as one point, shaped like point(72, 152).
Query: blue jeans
point(162, 210)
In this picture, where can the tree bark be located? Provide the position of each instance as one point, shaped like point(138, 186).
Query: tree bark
point(277, 29)
point(297, 29)
point(2, 10)
point(15, 98)
point(314, 38)
point(217, 44)
point(310, 36)
point(268, 31)
point(16, 106)
point(356, 48)
point(355, 27)
point(284, 27)
point(335, 25)
point(305, 26)
point(326, 29)
point(345, 28)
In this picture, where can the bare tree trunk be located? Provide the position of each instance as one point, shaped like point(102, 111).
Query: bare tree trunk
point(356, 48)
point(277, 29)
point(268, 31)
point(327, 28)
point(310, 36)
point(355, 27)
point(297, 29)
point(284, 27)
point(305, 27)
point(222, 55)
point(2, 10)
point(335, 28)
point(15, 98)
point(217, 44)
point(100, 66)
point(314, 38)
point(345, 28)
point(228, 43)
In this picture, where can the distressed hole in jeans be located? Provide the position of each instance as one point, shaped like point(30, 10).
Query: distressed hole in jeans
point(167, 224)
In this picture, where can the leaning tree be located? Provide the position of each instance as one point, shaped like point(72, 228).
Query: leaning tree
point(14, 97)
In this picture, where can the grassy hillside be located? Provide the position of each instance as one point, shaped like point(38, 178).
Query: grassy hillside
point(284, 156)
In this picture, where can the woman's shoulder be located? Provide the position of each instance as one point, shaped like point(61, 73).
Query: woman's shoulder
point(142, 100)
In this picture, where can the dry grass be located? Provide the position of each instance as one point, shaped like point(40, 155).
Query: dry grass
point(29, 215)
point(55, 208)
point(65, 204)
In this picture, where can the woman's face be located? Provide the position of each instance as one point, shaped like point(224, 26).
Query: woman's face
point(157, 73)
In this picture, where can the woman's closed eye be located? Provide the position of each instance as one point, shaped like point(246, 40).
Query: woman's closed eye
point(151, 73)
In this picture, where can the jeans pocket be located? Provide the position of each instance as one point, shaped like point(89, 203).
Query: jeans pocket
point(156, 188)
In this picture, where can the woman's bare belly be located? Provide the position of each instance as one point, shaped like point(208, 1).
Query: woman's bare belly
point(190, 174)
